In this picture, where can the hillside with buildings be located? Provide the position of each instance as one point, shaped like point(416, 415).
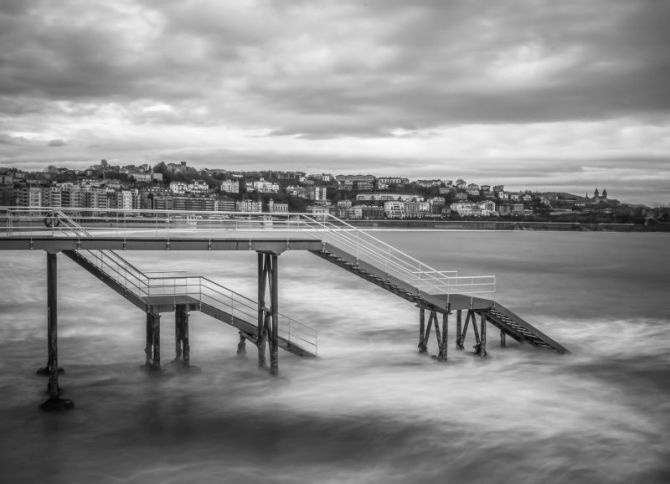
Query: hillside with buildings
point(178, 186)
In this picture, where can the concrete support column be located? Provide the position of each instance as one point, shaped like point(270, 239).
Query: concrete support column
point(54, 402)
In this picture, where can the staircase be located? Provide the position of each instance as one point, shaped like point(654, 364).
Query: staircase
point(199, 292)
point(387, 267)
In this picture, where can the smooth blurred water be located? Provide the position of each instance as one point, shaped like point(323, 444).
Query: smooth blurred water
point(370, 408)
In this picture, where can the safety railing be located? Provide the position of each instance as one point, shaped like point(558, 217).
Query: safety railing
point(394, 262)
point(329, 229)
point(41, 221)
point(163, 283)
point(206, 291)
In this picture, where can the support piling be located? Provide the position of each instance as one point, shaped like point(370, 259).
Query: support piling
point(482, 340)
point(422, 331)
point(54, 402)
point(459, 330)
point(268, 316)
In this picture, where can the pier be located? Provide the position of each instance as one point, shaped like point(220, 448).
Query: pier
point(95, 240)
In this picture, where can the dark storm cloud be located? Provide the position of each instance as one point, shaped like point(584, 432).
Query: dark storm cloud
point(396, 64)
point(497, 62)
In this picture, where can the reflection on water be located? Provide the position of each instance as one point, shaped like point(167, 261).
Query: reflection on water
point(370, 409)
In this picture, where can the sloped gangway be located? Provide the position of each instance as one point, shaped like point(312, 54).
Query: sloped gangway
point(93, 239)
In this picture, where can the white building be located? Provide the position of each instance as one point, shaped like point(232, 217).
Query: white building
point(316, 193)
point(249, 206)
point(126, 200)
point(262, 186)
point(230, 186)
point(394, 209)
point(197, 186)
point(178, 188)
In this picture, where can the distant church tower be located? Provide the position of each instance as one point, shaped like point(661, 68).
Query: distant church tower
point(596, 194)
point(604, 192)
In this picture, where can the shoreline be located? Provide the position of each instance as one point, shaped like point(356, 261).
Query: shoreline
point(509, 225)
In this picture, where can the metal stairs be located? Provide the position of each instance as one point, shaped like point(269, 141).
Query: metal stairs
point(394, 271)
point(200, 293)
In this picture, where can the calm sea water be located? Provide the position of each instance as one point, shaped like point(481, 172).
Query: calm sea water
point(370, 408)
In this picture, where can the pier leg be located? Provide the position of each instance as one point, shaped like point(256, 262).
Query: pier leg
point(182, 345)
point(443, 339)
point(503, 337)
point(178, 314)
point(429, 326)
point(149, 342)
point(459, 336)
point(478, 341)
point(156, 342)
point(46, 370)
point(242, 346)
point(482, 341)
point(274, 335)
point(54, 402)
point(260, 342)
point(422, 331)
point(185, 339)
point(268, 317)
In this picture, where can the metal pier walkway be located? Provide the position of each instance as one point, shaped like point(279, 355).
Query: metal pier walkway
point(92, 239)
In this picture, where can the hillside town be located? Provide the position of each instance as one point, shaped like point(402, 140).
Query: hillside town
point(178, 186)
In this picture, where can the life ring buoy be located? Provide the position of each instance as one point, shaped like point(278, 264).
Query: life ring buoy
point(52, 221)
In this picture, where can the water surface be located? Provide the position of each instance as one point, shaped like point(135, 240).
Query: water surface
point(370, 408)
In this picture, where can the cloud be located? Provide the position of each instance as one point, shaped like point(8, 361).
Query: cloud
point(56, 143)
point(504, 86)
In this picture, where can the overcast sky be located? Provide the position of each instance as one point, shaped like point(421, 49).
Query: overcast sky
point(541, 94)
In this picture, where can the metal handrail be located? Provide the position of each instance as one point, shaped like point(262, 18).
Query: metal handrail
point(143, 285)
point(358, 243)
point(404, 263)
